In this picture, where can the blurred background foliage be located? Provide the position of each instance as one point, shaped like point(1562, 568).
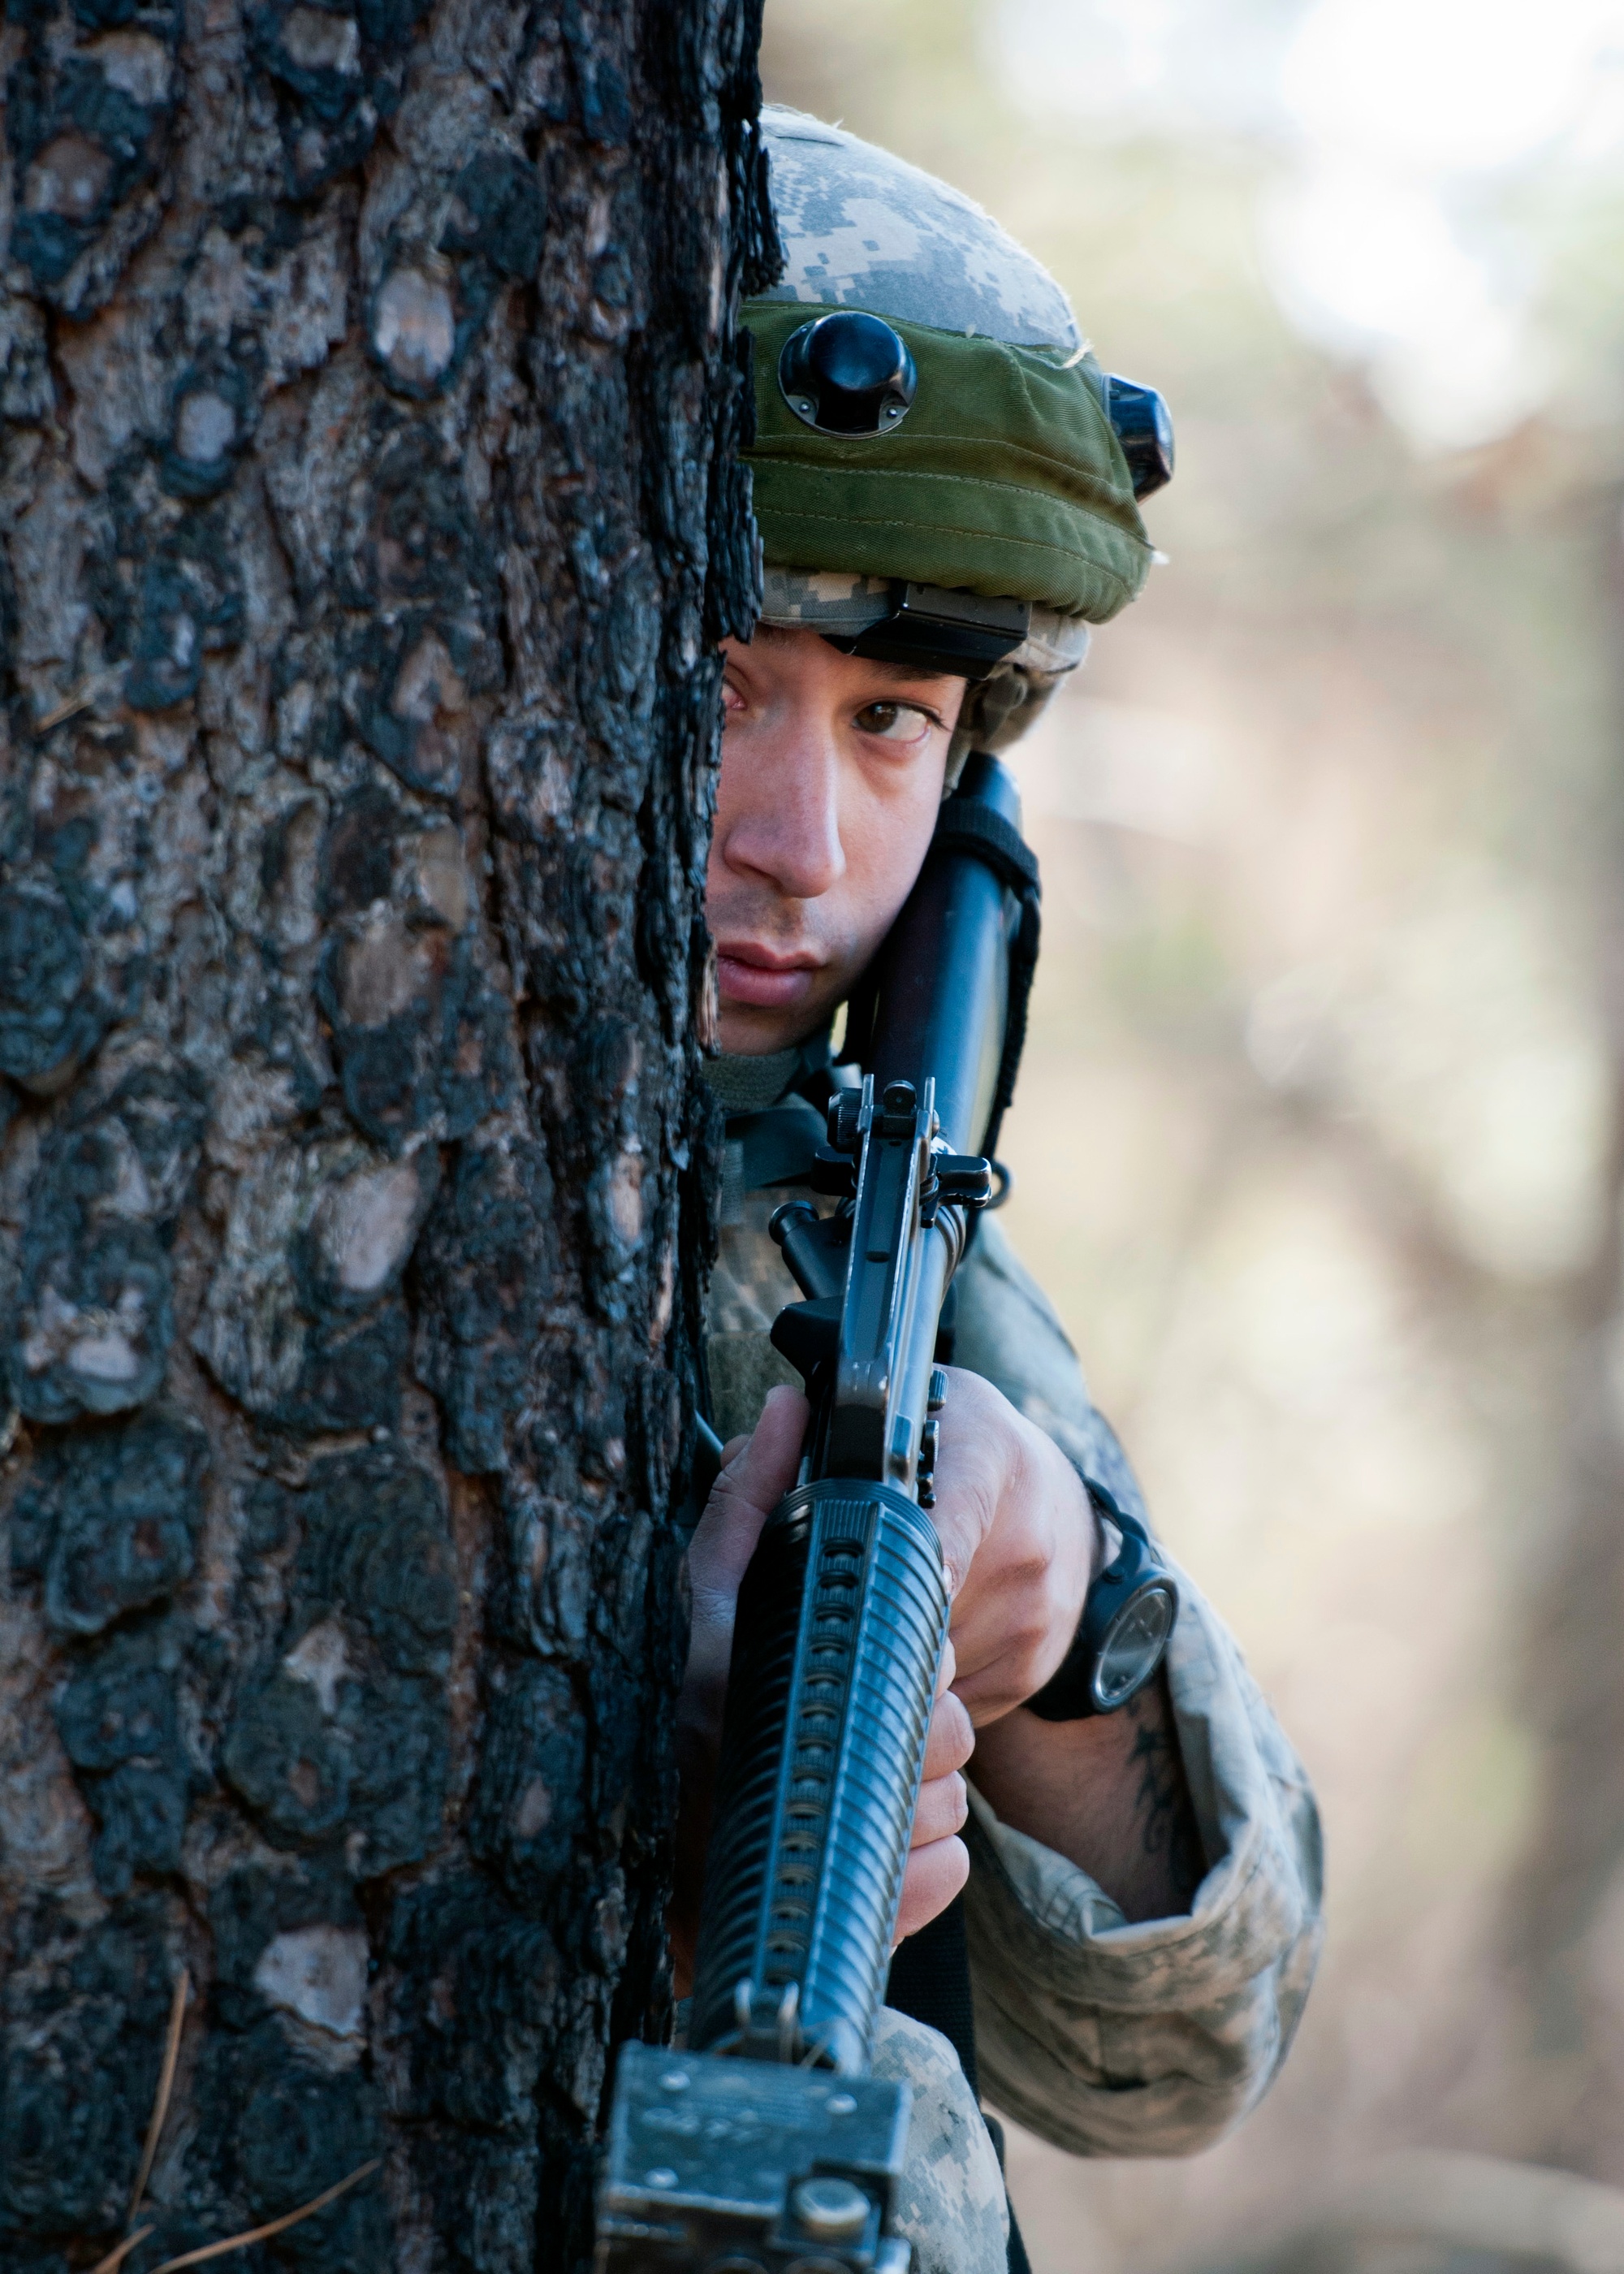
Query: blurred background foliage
point(1318, 1137)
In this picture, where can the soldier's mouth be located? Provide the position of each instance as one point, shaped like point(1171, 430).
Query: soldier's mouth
point(757, 975)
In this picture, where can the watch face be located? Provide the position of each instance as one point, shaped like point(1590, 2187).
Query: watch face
point(1132, 1650)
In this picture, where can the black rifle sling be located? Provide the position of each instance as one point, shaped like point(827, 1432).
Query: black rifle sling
point(966, 826)
point(969, 826)
point(929, 1980)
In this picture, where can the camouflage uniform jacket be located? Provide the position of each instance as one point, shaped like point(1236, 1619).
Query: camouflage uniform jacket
point(1105, 2038)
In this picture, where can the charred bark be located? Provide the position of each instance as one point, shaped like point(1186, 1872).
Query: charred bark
point(370, 512)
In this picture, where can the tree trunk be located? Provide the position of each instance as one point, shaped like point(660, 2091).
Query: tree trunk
point(370, 514)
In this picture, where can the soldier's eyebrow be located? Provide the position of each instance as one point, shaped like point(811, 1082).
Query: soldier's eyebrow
point(903, 675)
point(912, 672)
point(886, 666)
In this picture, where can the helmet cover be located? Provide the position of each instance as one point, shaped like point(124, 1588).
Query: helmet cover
point(1005, 477)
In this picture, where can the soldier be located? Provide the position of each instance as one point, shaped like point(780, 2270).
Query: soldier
point(944, 509)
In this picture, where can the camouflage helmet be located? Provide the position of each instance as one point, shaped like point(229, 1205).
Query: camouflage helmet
point(978, 486)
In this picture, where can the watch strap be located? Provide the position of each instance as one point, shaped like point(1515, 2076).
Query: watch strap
point(1068, 1694)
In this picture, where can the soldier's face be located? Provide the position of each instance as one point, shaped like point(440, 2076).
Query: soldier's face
point(831, 775)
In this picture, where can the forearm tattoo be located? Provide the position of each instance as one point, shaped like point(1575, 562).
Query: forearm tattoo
point(1162, 1806)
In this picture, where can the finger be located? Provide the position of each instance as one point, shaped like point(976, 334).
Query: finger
point(990, 1700)
point(753, 1479)
point(1005, 1681)
point(960, 1526)
point(951, 1740)
point(933, 1876)
point(975, 1426)
point(1014, 1641)
point(1010, 1639)
point(943, 1805)
point(764, 1470)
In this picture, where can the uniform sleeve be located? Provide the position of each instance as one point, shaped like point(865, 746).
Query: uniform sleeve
point(1149, 2039)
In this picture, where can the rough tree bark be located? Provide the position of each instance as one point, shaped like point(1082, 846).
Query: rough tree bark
point(370, 512)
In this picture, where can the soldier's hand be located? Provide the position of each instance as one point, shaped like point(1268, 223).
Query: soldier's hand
point(757, 1471)
point(938, 1860)
point(1020, 1540)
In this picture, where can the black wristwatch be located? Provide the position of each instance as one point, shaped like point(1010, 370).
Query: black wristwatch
point(1123, 1635)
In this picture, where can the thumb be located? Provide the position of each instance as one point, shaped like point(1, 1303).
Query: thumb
point(749, 1487)
point(763, 1471)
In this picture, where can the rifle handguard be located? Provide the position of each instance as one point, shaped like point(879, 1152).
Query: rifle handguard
point(841, 1621)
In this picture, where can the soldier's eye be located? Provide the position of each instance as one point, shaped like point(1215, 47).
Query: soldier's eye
point(895, 722)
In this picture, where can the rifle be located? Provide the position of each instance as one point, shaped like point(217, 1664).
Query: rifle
point(766, 2147)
